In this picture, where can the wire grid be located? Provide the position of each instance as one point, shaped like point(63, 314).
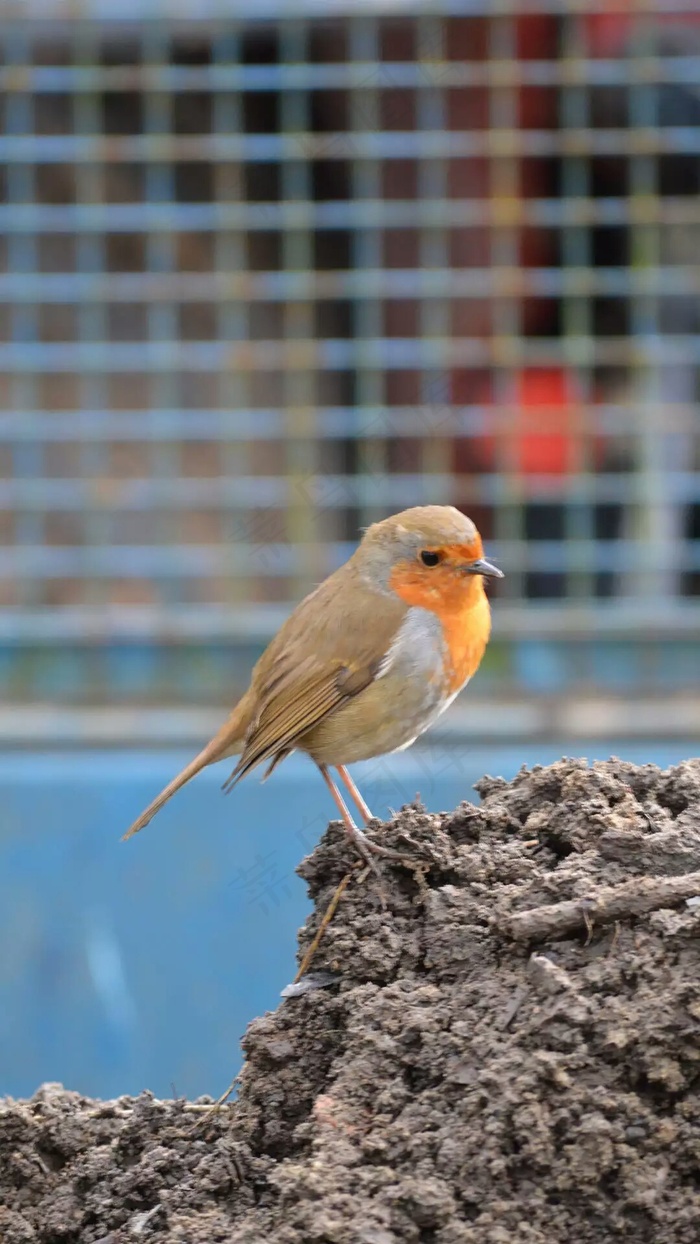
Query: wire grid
point(264, 284)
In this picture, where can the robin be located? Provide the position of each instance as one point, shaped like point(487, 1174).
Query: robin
point(366, 662)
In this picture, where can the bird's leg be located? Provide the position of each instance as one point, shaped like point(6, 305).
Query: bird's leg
point(356, 834)
point(355, 795)
point(364, 845)
point(338, 801)
point(366, 814)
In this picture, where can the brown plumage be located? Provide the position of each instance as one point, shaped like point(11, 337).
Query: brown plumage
point(368, 660)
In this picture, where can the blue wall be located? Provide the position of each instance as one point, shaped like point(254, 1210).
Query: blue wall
point(138, 965)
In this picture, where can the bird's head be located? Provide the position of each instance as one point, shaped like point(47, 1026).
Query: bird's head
point(431, 555)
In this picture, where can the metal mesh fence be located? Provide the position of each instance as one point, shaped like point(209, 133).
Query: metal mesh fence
point(263, 283)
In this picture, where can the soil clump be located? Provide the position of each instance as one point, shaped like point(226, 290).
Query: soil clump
point(509, 1053)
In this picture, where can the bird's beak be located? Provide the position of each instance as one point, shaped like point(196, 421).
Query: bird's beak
point(481, 566)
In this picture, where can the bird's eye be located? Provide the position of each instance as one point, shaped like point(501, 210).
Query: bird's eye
point(428, 558)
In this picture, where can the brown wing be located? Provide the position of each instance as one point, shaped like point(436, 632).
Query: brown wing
point(320, 659)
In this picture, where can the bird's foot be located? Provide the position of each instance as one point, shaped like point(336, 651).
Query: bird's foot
point(367, 848)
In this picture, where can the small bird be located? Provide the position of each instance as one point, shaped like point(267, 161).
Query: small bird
point(366, 662)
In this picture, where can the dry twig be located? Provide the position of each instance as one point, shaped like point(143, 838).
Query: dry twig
point(633, 898)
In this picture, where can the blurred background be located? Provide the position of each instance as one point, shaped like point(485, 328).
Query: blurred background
point(264, 280)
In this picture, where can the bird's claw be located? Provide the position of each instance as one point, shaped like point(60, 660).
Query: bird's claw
point(367, 848)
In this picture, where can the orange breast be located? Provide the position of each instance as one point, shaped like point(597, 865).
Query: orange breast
point(466, 636)
point(463, 609)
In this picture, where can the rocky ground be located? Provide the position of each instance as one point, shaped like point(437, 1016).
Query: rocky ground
point(510, 1051)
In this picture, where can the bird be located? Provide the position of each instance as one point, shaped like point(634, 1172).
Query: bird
point(365, 663)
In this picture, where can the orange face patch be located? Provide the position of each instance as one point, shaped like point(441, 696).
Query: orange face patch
point(458, 599)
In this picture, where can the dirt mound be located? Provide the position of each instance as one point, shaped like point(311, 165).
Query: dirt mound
point(511, 1052)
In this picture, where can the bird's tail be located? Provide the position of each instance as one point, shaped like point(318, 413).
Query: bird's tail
point(227, 742)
